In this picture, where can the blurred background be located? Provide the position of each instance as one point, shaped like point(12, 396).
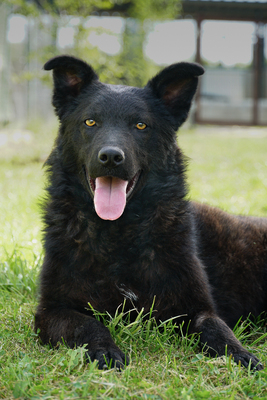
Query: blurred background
point(127, 41)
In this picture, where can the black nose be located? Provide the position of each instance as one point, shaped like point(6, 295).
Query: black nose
point(111, 157)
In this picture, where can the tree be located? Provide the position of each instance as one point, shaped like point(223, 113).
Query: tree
point(130, 66)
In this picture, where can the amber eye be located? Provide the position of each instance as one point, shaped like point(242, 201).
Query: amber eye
point(90, 122)
point(141, 126)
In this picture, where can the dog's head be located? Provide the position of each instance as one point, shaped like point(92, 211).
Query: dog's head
point(115, 134)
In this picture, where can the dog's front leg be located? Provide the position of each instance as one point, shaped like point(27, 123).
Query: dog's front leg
point(218, 339)
point(77, 329)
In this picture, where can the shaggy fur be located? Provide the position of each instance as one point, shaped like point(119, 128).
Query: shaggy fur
point(194, 260)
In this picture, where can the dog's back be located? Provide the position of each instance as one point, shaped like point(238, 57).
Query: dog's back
point(233, 250)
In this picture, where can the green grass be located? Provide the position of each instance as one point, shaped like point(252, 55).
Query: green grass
point(227, 169)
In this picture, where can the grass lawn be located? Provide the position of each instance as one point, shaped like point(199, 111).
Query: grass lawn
point(227, 168)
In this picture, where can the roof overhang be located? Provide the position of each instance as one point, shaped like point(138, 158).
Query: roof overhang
point(225, 10)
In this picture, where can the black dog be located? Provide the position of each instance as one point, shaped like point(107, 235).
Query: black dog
point(118, 224)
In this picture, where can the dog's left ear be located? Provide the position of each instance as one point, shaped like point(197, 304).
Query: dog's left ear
point(176, 86)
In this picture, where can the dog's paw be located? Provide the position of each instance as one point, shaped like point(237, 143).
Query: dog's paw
point(111, 357)
point(248, 360)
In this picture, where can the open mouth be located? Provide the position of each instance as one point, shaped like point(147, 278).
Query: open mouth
point(110, 194)
point(129, 188)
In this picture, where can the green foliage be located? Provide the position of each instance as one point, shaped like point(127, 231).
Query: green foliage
point(135, 69)
point(23, 7)
point(140, 9)
point(155, 9)
point(130, 66)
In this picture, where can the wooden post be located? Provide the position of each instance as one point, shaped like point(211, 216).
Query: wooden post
point(256, 77)
point(198, 60)
point(4, 66)
point(198, 49)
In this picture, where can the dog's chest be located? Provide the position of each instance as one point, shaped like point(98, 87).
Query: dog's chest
point(127, 293)
point(111, 286)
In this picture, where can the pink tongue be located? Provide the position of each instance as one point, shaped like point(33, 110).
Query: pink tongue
point(110, 197)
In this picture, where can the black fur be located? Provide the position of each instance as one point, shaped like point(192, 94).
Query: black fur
point(194, 260)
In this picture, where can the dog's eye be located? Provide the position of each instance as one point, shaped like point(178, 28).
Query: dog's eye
point(90, 122)
point(141, 126)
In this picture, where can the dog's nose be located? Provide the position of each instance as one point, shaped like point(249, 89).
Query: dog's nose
point(111, 157)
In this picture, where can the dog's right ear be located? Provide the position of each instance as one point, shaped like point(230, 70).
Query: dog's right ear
point(70, 76)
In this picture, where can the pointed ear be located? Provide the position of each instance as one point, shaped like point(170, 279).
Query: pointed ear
point(176, 86)
point(70, 76)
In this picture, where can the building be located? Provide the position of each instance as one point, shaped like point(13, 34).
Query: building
point(236, 95)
